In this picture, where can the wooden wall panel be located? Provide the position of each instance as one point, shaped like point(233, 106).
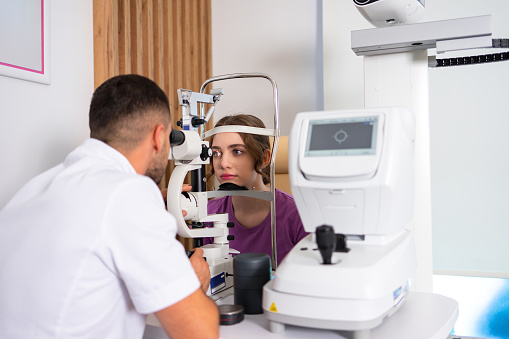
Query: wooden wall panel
point(168, 41)
point(147, 31)
point(136, 38)
point(153, 36)
point(177, 52)
point(158, 43)
point(106, 62)
point(124, 35)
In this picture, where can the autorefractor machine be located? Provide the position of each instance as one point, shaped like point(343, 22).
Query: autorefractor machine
point(351, 175)
point(191, 151)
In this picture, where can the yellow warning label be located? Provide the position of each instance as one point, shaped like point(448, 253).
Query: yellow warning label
point(273, 307)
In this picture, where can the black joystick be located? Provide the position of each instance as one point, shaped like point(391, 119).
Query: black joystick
point(326, 241)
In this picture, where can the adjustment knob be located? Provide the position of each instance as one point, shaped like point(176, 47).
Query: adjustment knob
point(229, 224)
point(195, 121)
point(206, 152)
point(230, 237)
point(326, 241)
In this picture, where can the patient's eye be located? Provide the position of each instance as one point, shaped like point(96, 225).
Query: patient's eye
point(216, 153)
point(237, 151)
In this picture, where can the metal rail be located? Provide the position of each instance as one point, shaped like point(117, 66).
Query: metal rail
point(274, 145)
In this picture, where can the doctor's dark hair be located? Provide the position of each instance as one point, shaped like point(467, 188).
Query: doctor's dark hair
point(124, 109)
point(255, 144)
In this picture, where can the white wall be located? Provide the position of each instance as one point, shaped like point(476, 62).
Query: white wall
point(40, 124)
point(280, 38)
point(469, 154)
point(343, 70)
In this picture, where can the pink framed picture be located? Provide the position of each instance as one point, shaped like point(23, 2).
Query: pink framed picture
point(24, 40)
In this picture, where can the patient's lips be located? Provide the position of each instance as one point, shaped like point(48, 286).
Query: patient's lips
point(227, 176)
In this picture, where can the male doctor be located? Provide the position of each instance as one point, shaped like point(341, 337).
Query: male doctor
point(87, 248)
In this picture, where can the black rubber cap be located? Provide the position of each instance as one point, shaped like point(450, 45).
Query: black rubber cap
point(251, 271)
point(251, 264)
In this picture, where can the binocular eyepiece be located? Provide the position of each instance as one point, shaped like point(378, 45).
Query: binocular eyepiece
point(177, 137)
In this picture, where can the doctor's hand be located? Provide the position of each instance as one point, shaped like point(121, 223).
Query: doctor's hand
point(201, 268)
point(185, 188)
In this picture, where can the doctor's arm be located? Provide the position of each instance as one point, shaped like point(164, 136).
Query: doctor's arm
point(197, 315)
point(193, 317)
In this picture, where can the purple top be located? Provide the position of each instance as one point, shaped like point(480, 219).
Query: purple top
point(289, 229)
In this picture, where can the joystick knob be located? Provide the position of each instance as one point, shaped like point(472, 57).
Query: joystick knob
point(326, 241)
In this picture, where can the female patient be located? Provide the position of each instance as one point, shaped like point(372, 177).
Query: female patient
point(243, 159)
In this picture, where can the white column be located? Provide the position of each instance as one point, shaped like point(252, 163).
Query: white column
point(401, 79)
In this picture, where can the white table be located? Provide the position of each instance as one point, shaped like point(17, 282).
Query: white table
point(422, 316)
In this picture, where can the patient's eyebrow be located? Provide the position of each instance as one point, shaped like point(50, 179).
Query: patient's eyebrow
point(229, 146)
point(236, 145)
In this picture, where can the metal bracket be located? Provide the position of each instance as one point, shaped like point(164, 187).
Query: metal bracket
point(445, 35)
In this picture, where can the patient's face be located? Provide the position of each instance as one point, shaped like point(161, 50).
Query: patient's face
point(231, 160)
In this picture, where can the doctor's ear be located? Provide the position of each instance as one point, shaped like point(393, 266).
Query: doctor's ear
point(158, 137)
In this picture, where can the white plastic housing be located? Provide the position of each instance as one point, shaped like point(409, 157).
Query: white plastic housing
point(383, 13)
point(356, 292)
point(357, 194)
point(189, 150)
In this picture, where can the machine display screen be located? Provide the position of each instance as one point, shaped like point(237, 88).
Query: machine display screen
point(343, 136)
